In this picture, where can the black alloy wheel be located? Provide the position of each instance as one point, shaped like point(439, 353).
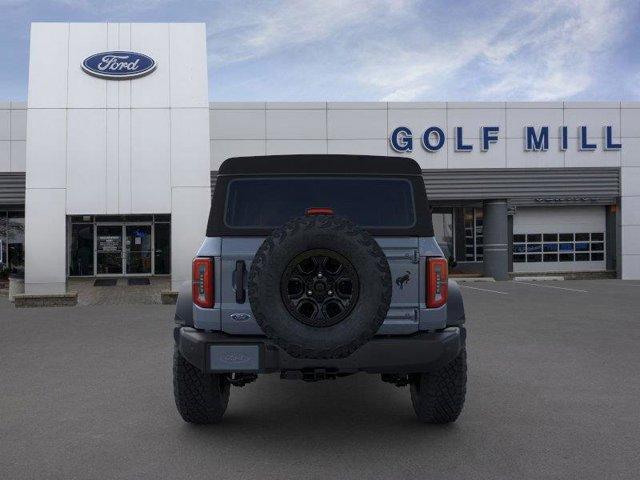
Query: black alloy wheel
point(319, 287)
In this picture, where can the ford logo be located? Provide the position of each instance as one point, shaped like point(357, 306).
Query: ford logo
point(235, 358)
point(118, 65)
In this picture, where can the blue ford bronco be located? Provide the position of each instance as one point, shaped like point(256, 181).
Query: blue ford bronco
point(317, 267)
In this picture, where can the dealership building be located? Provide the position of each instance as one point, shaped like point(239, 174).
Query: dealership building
point(107, 168)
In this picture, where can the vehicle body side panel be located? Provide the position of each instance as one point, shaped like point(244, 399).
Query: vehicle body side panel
point(455, 306)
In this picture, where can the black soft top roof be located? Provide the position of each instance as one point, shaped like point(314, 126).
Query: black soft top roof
point(320, 164)
point(302, 165)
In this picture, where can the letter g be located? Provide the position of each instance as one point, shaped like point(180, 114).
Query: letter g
point(401, 139)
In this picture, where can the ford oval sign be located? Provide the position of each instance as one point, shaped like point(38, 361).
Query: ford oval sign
point(118, 65)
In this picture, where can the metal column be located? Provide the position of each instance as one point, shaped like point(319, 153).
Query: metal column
point(495, 233)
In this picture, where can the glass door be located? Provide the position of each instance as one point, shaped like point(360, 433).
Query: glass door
point(162, 241)
point(139, 249)
point(109, 249)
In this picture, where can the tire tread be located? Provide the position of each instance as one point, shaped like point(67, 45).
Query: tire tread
point(438, 397)
point(200, 398)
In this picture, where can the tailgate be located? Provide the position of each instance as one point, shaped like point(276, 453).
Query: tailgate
point(401, 252)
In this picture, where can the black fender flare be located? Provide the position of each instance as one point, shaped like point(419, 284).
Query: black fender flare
point(184, 306)
point(455, 305)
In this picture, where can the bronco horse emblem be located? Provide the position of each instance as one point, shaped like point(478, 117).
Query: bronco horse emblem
point(400, 281)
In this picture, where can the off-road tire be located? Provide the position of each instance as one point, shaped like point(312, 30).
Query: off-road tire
point(304, 234)
point(200, 398)
point(438, 397)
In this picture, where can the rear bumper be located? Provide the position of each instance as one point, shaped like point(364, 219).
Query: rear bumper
point(219, 352)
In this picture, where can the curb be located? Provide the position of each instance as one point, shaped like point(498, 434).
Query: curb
point(538, 279)
point(475, 280)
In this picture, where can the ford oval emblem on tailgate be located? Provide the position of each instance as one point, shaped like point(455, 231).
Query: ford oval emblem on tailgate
point(235, 358)
point(118, 65)
point(240, 317)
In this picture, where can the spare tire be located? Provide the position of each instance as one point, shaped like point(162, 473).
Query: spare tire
point(320, 287)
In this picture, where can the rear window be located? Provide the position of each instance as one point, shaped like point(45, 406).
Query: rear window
point(369, 202)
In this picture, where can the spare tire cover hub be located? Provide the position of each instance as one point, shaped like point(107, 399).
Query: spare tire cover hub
point(319, 287)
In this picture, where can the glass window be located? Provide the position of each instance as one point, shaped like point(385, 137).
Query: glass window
point(81, 252)
point(4, 267)
point(137, 218)
point(566, 247)
point(15, 242)
point(567, 250)
point(270, 202)
point(469, 235)
point(110, 218)
point(473, 222)
point(82, 219)
point(443, 231)
point(109, 249)
point(132, 245)
point(138, 249)
point(163, 248)
point(519, 258)
point(582, 247)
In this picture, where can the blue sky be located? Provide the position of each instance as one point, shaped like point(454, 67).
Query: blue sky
point(363, 50)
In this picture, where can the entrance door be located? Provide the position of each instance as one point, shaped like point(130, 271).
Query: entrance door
point(109, 249)
point(139, 249)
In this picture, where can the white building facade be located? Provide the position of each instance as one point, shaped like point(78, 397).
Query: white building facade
point(119, 171)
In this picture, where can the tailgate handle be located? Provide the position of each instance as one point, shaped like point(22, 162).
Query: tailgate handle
point(413, 256)
point(239, 275)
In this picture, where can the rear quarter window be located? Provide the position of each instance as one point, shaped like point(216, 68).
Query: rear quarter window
point(369, 202)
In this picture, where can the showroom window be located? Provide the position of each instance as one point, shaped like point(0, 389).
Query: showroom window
point(558, 247)
point(473, 239)
point(443, 230)
point(11, 242)
point(115, 245)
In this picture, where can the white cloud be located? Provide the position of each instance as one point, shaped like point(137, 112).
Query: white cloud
point(260, 29)
point(546, 51)
point(406, 50)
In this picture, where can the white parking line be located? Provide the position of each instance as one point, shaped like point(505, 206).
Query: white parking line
point(484, 289)
point(551, 286)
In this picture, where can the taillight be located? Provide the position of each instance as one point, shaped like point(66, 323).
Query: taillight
point(202, 282)
point(437, 282)
point(318, 211)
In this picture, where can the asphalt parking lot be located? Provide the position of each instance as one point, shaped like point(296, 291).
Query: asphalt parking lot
point(554, 389)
